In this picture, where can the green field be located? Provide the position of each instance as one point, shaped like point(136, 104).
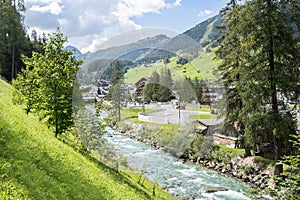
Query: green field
point(204, 116)
point(36, 165)
point(202, 67)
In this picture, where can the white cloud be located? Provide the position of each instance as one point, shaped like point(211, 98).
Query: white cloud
point(94, 44)
point(87, 23)
point(205, 12)
point(53, 8)
point(175, 4)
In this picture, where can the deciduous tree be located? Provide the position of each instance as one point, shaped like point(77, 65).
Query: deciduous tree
point(49, 79)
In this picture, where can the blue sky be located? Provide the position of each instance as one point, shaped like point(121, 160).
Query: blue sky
point(89, 23)
point(183, 17)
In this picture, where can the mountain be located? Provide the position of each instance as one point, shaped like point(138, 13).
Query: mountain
point(205, 32)
point(196, 38)
point(191, 41)
point(126, 52)
point(151, 49)
point(78, 55)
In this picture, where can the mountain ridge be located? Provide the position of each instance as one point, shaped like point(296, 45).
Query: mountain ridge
point(190, 41)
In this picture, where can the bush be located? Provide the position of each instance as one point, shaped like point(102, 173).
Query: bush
point(288, 183)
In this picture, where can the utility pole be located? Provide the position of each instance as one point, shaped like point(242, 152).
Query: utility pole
point(179, 110)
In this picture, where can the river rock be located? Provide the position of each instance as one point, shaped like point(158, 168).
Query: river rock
point(263, 186)
point(271, 183)
point(224, 170)
point(240, 175)
point(245, 178)
point(234, 173)
point(256, 178)
point(234, 167)
point(218, 166)
point(228, 167)
point(211, 164)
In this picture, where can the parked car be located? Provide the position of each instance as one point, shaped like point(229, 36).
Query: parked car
point(180, 107)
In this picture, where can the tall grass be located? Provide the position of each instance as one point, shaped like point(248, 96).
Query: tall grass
point(35, 165)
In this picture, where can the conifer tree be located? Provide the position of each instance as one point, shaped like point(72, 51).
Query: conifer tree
point(260, 61)
point(13, 40)
point(166, 84)
point(229, 52)
point(115, 92)
point(151, 90)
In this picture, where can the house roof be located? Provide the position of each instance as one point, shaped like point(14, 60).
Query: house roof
point(142, 80)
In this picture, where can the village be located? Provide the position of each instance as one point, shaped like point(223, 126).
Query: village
point(205, 118)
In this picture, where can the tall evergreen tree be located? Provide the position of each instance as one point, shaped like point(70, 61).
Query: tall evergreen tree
point(115, 92)
point(166, 84)
point(185, 89)
point(229, 51)
point(151, 90)
point(267, 54)
point(197, 86)
point(13, 40)
point(271, 67)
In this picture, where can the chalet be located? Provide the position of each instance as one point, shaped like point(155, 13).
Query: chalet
point(208, 126)
point(102, 88)
point(212, 128)
point(211, 92)
point(102, 83)
point(139, 87)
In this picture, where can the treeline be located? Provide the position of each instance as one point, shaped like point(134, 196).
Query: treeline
point(260, 68)
point(13, 39)
point(161, 87)
point(105, 66)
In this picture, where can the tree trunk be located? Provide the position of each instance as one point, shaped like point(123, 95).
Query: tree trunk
point(277, 140)
point(56, 112)
point(247, 150)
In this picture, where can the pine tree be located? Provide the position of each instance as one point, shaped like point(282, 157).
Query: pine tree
point(151, 90)
point(230, 50)
point(13, 40)
point(166, 84)
point(263, 64)
point(115, 92)
point(270, 66)
point(197, 86)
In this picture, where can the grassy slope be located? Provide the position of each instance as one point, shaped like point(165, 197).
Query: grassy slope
point(204, 62)
point(35, 165)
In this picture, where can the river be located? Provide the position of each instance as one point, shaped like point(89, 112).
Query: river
point(179, 179)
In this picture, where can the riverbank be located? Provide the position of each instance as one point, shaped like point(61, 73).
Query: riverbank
point(253, 170)
point(181, 179)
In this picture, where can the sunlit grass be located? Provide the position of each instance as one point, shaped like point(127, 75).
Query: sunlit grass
point(203, 116)
point(201, 67)
point(36, 165)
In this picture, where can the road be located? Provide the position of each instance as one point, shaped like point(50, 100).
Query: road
point(168, 114)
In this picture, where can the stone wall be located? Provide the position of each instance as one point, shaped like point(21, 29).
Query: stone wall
point(244, 169)
point(224, 140)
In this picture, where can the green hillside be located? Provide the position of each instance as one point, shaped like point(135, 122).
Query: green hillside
point(202, 67)
point(35, 165)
